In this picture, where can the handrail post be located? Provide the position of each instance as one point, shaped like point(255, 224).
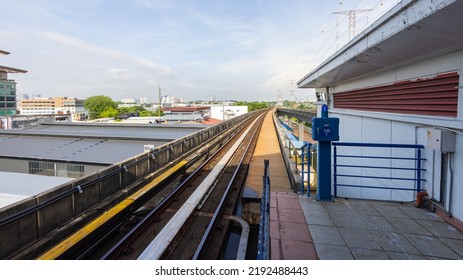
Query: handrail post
point(305, 151)
point(263, 246)
point(418, 170)
point(302, 169)
point(335, 170)
point(309, 158)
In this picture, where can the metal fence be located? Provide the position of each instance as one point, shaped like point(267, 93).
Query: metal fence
point(263, 245)
point(27, 221)
point(305, 167)
point(393, 168)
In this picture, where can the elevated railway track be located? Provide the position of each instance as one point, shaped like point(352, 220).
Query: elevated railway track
point(189, 216)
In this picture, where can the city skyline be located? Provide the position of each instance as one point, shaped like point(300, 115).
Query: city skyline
point(240, 50)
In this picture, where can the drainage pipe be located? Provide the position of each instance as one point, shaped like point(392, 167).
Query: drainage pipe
point(241, 253)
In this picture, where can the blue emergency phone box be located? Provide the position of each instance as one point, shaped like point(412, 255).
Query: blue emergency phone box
point(325, 129)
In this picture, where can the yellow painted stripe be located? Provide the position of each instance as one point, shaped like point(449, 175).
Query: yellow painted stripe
point(72, 240)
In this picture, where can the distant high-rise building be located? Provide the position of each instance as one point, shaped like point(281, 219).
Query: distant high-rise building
point(8, 89)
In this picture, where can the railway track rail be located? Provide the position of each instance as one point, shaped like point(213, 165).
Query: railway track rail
point(209, 187)
point(189, 223)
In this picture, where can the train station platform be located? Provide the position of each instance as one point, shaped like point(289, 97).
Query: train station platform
point(349, 229)
point(289, 234)
point(302, 228)
point(268, 148)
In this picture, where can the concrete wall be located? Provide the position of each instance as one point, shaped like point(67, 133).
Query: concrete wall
point(64, 203)
point(14, 165)
point(362, 126)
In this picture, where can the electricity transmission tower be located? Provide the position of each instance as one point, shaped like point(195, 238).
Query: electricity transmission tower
point(352, 14)
point(292, 97)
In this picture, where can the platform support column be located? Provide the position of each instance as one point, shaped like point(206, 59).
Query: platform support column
point(301, 130)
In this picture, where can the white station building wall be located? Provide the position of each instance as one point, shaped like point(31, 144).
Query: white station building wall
point(379, 127)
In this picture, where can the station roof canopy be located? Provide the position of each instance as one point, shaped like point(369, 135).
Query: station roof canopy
point(410, 32)
point(11, 70)
point(7, 69)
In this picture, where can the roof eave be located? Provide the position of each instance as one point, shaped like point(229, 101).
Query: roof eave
point(389, 42)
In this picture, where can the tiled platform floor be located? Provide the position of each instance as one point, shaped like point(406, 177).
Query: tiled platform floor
point(368, 230)
point(289, 234)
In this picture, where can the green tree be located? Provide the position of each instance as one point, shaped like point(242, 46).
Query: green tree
point(132, 109)
point(252, 106)
point(96, 105)
point(109, 113)
point(151, 114)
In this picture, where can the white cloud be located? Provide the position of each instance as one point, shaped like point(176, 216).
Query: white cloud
point(121, 73)
point(195, 49)
point(93, 50)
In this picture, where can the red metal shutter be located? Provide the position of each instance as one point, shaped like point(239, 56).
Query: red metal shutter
point(437, 96)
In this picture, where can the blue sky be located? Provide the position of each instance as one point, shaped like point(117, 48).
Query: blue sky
point(195, 49)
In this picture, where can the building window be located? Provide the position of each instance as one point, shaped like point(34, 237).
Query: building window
point(56, 169)
point(42, 168)
point(69, 170)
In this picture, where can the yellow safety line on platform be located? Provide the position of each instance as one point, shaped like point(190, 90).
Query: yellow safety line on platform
point(59, 249)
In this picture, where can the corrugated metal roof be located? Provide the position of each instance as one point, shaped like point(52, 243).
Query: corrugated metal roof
point(90, 144)
point(114, 131)
point(97, 151)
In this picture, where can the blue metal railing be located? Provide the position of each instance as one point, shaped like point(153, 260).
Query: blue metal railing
point(305, 167)
point(288, 128)
point(411, 166)
point(295, 147)
point(263, 245)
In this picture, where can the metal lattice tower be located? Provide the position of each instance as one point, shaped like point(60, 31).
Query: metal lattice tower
point(352, 14)
point(292, 96)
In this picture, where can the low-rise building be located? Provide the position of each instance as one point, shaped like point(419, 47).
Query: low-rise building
point(54, 106)
point(73, 150)
point(225, 112)
point(188, 113)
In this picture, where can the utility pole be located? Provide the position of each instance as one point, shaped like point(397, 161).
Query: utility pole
point(352, 14)
point(159, 92)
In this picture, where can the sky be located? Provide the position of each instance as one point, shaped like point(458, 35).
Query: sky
point(248, 50)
